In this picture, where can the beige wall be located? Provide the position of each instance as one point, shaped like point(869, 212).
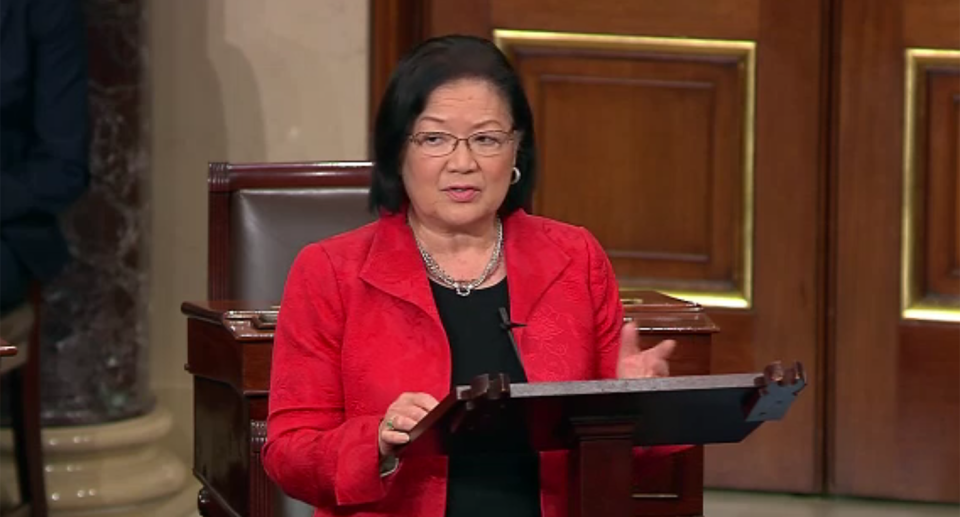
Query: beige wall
point(236, 80)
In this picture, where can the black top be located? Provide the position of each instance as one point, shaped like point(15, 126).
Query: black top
point(479, 483)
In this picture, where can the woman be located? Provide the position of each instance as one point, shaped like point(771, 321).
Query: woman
point(379, 323)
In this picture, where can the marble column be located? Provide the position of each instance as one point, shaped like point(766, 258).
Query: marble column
point(94, 340)
point(101, 422)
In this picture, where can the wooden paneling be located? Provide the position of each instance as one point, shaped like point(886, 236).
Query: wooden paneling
point(943, 265)
point(927, 446)
point(864, 417)
point(662, 141)
point(395, 27)
point(931, 23)
point(724, 19)
point(838, 257)
point(683, 118)
point(445, 17)
point(930, 286)
point(894, 402)
point(785, 322)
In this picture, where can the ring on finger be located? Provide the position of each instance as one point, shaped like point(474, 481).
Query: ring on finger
point(390, 425)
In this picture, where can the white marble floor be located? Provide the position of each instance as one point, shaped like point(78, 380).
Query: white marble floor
point(749, 504)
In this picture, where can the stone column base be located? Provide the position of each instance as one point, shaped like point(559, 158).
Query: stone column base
point(115, 469)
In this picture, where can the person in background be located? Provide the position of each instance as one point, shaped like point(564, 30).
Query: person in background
point(379, 323)
point(44, 139)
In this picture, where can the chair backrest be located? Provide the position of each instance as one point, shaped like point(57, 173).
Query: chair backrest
point(263, 214)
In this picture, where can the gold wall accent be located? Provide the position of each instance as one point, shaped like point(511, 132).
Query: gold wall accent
point(912, 304)
point(746, 53)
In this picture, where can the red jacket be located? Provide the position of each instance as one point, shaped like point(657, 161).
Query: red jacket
point(358, 326)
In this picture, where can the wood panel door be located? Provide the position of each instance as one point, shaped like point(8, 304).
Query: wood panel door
point(895, 402)
point(686, 136)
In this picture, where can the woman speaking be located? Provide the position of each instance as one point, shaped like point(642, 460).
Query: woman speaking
point(379, 323)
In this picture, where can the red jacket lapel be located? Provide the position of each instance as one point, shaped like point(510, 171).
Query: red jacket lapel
point(393, 265)
point(534, 262)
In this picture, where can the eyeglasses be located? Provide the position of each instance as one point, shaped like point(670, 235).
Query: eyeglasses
point(484, 143)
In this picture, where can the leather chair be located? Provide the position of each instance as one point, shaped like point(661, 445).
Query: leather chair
point(260, 216)
point(21, 372)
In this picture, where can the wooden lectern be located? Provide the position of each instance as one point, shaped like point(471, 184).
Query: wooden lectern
point(229, 353)
point(601, 422)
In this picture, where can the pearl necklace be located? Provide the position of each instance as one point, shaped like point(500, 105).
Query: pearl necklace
point(462, 287)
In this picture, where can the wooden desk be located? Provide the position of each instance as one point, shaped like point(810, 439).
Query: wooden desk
point(229, 352)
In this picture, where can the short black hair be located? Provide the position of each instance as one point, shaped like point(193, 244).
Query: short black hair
point(429, 65)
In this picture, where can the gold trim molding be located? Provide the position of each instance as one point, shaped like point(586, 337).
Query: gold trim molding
point(746, 54)
point(914, 306)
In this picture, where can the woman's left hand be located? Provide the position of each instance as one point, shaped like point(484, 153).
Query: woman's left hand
point(635, 363)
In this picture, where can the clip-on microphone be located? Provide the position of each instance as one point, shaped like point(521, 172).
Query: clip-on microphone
point(508, 327)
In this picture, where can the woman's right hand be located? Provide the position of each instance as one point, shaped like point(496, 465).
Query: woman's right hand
point(401, 417)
